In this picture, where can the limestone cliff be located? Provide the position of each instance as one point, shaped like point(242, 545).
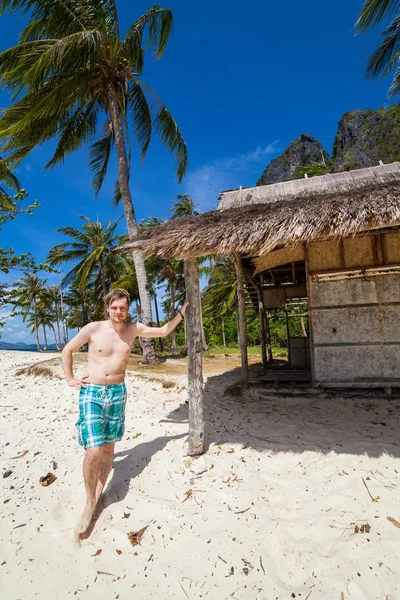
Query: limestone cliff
point(303, 151)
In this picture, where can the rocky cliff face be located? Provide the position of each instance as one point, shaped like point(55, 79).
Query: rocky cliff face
point(303, 151)
point(365, 137)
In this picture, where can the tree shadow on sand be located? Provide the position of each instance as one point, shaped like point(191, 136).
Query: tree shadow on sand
point(270, 418)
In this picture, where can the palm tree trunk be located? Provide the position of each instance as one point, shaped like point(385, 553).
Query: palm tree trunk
point(157, 317)
point(223, 331)
point(172, 313)
point(36, 326)
point(45, 338)
point(149, 351)
point(55, 336)
point(104, 287)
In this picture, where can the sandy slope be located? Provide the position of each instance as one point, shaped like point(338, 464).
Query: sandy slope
point(272, 508)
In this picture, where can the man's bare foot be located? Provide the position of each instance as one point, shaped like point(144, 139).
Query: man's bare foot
point(85, 520)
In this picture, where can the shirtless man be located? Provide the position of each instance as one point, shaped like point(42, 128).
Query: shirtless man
point(102, 392)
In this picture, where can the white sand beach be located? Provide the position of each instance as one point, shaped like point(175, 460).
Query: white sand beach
point(269, 512)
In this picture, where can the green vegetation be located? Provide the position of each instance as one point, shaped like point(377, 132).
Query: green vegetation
point(74, 79)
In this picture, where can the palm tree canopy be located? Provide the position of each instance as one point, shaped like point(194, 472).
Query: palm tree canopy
point(386, 58)
point(60, 75)
point(91, 247)
point(183, 206)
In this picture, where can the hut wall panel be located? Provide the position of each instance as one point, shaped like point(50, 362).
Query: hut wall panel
point(356, 330)
point(354, 365)
point(365, 324)
point(324, 256)
point(392, 247)
point(352, 292)
point(358, 252)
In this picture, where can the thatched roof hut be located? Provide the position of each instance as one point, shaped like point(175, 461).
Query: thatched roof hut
point(331, 243)
point(256, 221)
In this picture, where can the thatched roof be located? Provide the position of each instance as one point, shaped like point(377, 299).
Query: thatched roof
point(363, 200)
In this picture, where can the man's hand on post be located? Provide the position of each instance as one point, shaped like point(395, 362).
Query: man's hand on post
point(184, 307)
point(77, 382)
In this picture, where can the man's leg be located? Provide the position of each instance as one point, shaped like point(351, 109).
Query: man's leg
point(91, 473)
point(107, 458)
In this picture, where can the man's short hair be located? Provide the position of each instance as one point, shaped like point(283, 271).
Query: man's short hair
point(117, 294)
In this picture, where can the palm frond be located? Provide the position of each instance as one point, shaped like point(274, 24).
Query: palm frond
point(117, 197)
point(7, 177)
point(142, 122)
point(375, 11)
point(75, 132)
point(386, 56)
point(171, 136)
point(99, 156)
point(169, 132)
point(394, 89)
point(159, 23)
point(59, 16)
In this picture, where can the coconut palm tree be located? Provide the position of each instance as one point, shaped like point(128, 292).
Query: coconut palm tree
point(386, 58)
point(91, 247)
point(26, 295)
point(71, 70)
point(51, 303)
point(183, 206)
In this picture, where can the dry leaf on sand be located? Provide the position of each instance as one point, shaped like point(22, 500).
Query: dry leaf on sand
point(135, 536)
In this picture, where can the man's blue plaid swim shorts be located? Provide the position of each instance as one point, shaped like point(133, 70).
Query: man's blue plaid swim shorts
point(101, 414)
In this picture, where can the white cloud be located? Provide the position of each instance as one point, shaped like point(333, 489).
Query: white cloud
point(6, 314)
point(249, 160)
point(206, 182)
point(21, 335)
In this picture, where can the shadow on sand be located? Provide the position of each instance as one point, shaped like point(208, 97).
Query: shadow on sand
point(270, 418)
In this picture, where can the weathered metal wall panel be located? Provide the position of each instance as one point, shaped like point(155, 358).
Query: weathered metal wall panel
point(357, 365)
point(355, 291)
point(356, 330)
point(358, 324)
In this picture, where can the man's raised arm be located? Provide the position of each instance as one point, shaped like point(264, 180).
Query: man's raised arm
point(155, 332)
point(73, 346)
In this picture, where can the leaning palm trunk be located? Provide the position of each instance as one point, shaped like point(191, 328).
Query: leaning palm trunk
point(56, 339)
point(149, 353)
point(36, 326)
point(45, 338)
point(104, 287)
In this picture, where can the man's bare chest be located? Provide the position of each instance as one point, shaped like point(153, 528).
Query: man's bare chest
point(109, 344)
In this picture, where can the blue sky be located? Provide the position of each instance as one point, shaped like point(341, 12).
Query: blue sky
point(243, 79)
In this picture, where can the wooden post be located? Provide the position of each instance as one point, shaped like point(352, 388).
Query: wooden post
point(263, 339)
point(242, 318)
point(195, 359)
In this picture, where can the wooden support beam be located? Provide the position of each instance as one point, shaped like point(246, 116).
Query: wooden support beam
point(263, 336)
point(242, 318)
point(195, 359)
